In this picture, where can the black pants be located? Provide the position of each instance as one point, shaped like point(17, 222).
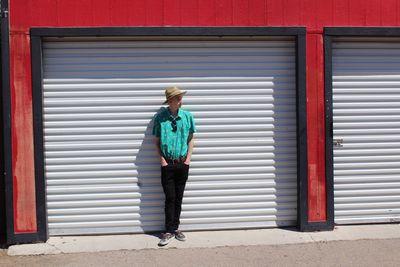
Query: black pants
point(173, 180)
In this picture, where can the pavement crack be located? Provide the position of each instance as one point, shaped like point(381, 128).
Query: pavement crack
point(56, 248)
point(317, 243)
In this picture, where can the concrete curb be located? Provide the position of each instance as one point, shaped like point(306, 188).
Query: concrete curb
point(205, 239)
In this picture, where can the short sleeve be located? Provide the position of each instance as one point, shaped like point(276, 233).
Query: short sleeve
point(156, 127)
point(192, 128)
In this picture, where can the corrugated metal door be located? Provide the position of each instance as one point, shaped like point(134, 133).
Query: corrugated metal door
point(101, 168)
point(366, 117)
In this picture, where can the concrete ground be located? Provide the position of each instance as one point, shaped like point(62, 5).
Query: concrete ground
point(383, 252)
point(371, 245)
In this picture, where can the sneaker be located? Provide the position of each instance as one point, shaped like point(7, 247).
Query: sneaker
point(180, 236)
point(165, 238)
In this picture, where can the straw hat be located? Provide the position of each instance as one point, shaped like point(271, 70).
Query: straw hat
point(171, 92)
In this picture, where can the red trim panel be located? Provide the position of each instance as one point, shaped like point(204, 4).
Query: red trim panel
point(22, 135)
point(316, 129)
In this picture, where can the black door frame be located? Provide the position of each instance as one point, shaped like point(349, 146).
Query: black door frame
point(4, 47)
point(37, 35)
point(330, 33)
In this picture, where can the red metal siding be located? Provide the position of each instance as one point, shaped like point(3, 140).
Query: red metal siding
point(313, 14)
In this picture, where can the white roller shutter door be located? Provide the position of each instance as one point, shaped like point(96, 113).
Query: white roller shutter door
point(101, 169)
point(366, 116)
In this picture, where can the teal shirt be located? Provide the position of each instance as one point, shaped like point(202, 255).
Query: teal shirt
point(173, 145)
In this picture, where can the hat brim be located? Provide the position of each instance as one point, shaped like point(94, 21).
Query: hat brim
point(181, 93)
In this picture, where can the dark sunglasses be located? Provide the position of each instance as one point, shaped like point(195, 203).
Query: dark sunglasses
point(173, 123)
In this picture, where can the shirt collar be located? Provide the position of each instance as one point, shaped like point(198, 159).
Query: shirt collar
point(178, 115)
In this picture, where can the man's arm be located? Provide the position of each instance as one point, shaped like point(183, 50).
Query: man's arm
point(190, 149)
point(163, 162)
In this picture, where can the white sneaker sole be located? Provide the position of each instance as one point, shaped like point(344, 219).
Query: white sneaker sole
point(180, 239)
point(163, 243)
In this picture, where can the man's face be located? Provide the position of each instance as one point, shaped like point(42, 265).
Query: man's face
point(175, 102)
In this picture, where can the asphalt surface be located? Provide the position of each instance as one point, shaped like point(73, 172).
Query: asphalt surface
point(378, 252)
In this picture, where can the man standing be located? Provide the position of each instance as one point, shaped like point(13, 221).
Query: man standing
point(173, 129)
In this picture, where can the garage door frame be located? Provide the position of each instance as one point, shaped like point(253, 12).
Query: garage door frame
point(330, 33)
point(37, 35)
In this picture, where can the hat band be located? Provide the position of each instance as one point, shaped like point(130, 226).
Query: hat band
point(175, 94)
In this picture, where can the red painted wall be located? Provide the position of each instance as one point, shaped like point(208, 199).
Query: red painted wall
point(314, 14)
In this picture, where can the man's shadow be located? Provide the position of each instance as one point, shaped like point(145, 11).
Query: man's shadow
point(151, 205)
